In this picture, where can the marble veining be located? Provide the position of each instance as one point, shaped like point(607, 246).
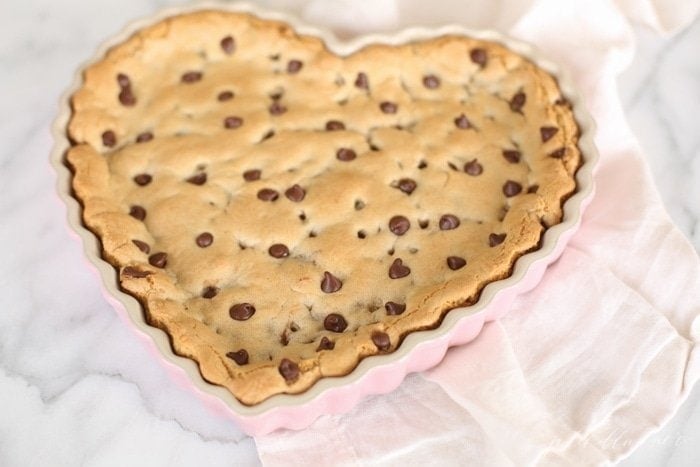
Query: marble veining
point(77, 386)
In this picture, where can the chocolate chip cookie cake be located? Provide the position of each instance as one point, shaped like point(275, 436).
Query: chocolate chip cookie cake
point(282, 212)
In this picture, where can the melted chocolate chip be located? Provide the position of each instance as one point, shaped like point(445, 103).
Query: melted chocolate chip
point(241, 311)
point(517, 102)
point(252, 175)
point(335, 323)
point(225, 96)
point(198, 179)
point(289, 370)
point(143, 246)
point(325, 344)
point(204, 239)
point(462, 122)
point(473, 168)
point(512, 156)
point(478, 56)
point(295, 193)
point(407, 185)
point(558, 154)
point(137, 212)
point(126, 97)
point(144, 137)
point(449, 222)
point(397, 270)
point(191, 77)
point(135, 273)
point(399, 225)
point(511, 188)
point(496, 239)
point(210, 292)
point(109, 139)
point(294, 66)
point(388, 107)
point(278, 250)
point(362, 81)
point(239, 356)
point(431, 82)
point(276, 108)
point(334, 125)
point(142, 179)
point(330, 283)
point(232, 122)
point(345, 154)
point(228, 45)
point(456, 262)
point(159, 260)
point(546, 132)
point(393, 308)
point(268, 194)
point(381, 340)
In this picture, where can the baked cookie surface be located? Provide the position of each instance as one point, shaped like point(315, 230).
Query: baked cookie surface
point(283, 212)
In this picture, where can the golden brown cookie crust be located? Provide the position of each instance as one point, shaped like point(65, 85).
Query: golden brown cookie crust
point(192, 102)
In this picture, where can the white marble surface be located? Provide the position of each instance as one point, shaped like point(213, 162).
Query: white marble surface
point(77, 387)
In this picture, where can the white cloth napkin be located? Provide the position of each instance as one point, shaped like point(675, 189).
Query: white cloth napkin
point(599, 355)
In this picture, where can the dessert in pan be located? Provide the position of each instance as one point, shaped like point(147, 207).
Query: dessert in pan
point(283, 212)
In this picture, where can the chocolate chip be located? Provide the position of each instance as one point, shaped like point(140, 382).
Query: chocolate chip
point(397, 270)
point(431, 82)
point(126, 97)
point(496, 239)
point(142, 179)
point(123, 80)
point(289, 370)
point(325, 344)
point(452, 166)
point(241, 311)
point(143, 246)
point(335, 323)
point(517, 102)
point(204, 239)
point(388, 107)
point(210, 292)
point(422, 165)
point(478, 56)
point(473, 168)
point(239, 356)
point(511, 188)
point(225, 96)
point(558, 154)
point(455, 262)
point(359, 205)
point(136, 273)
point(198, 179)
point(191, 77)
point(361, 234)
point(232, 122)
point(252, 175)
point(159, 260)
point(228, 45)
point(407, 185)
point(109, 139)
point(330, 283)
point(345, 154)
point(144, 137)
point(381, 340)
point(278, 250)
point(268, 194)
point(533, 189)
point(294, 66)
point(295, 193)
point(393, 308)
point(423, 223)
point(462, 122)
point(511, 155)
point(276, 108)
point(546, 132)
point(562, 101)
point(399, 225)
point(334, 125)
point(362, 81)
point(137, 212)
point(449, 222)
